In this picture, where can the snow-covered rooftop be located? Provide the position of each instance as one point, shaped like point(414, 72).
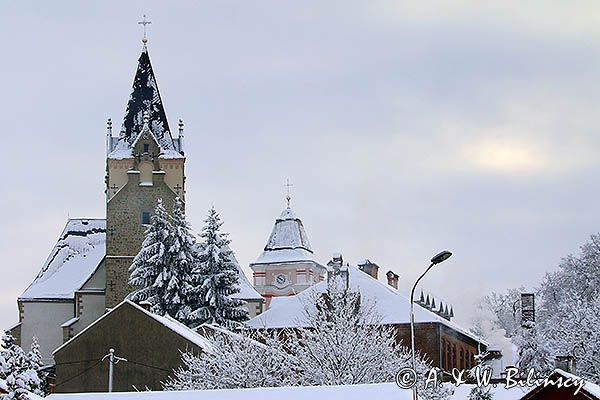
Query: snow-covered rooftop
point(347, 392)
point(74, 258)
point(589, 387)
point(247, 291)
point(168, 322)
point(288, 241)
point(390, 304)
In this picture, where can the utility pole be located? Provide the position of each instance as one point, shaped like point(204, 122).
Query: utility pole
point(112, 361)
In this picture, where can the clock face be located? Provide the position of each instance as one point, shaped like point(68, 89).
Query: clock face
point(281, 280)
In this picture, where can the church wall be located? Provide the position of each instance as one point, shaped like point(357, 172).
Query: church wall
point(125, 231)
point(45, 317)
point(98, 279)
point(90, 306)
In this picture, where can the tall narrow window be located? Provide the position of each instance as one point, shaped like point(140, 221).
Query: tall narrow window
point(145, 218)
point(454, 363)
point(462, 359)
point(146, 148)
point(444, 364)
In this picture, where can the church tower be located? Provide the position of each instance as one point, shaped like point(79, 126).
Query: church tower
point(144, 163)
point(287, 265)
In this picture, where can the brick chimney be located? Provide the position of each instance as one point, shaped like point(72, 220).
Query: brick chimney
point(392, 279)
point(146, 305)
point(566, 363)
point(369, 268)
point(337, 271)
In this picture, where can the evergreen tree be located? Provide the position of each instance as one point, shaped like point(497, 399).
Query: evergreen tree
point(21, 371)
point(150, 271)
point(179, 295)
point(35, 364)
point(218, 278)
point(534, 350)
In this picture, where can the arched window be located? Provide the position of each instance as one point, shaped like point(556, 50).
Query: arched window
point(454, 364)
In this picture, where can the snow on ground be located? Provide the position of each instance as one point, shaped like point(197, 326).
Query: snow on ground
point(500, 393)
point(350, 392)
point(73, 260)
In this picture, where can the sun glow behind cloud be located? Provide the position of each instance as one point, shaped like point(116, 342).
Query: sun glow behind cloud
point(510, 157)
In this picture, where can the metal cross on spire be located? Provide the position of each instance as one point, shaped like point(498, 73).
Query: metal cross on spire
point(144, 22)
point(288, 197)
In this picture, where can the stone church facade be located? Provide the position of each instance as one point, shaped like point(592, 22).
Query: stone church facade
point(87, 271)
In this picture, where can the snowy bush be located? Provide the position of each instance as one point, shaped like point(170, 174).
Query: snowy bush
point(251, 359)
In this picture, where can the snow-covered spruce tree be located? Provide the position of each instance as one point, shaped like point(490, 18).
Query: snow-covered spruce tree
point(178, 297)
point(344, 343)
point(218, 278)
point(244, 360)
point(21, 371)
point(150, 271)
point(534, 350)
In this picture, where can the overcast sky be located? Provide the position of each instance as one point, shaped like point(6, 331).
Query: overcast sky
point(405, 127)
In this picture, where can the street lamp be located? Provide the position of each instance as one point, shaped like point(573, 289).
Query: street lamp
point(437, 259)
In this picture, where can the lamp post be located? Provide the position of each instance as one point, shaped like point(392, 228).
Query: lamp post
point(437, 259)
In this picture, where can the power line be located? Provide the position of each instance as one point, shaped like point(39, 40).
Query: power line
point(77, 362)
point(78, 375)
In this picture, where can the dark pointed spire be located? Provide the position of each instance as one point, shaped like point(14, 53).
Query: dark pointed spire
point(146, 97)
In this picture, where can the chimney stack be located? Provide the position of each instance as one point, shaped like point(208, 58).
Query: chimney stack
point(337, 271)
point(369, 268)
point(392, 279)
point(566, 363)
point(146, 305)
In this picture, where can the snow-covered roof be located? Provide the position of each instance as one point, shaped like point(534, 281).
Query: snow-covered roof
point(168, 322)
point(391, 305)
point(288, 241)
point(247, 291)
point(74, 258)
point(589, 387)
point(346, 392)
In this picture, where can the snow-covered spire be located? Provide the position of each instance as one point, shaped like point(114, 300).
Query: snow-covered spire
point(145, 96)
